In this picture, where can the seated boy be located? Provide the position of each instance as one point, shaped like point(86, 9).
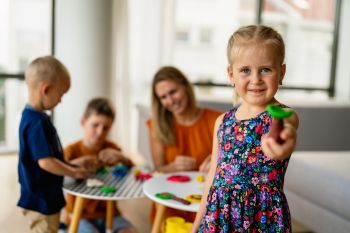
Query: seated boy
point(41, 166)
point(93, 151)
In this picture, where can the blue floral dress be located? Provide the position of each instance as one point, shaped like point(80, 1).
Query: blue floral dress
point(247, 191)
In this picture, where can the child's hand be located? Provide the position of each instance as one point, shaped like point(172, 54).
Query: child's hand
point(277, 151)
point(184, 163)
point(110, 157)
point(89, 162)
point(80, 173)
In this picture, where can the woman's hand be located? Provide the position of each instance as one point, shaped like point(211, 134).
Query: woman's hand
point(184, 163)
point(110, 157)
point(205, 166)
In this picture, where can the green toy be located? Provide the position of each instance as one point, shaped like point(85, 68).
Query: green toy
point(278, 114)
point(170, 196)
point(108, 189)
point(102, 170)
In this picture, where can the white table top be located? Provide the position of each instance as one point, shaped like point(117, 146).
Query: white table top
point(127, 187)
point(160, 184)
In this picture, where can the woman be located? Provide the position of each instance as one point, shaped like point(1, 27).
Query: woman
point(181, 133)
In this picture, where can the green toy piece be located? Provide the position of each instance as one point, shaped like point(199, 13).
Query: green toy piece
point(170, 196)
point(102, 170)
point(108, 189)
point(278, 112)
point(165, 196)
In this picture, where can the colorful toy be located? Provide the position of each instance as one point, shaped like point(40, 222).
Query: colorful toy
point(200, 178)
point(93, 183)
point(143, 176)
point(194, 198)
point(179, 178)
point(102, 170)
point(170, 196)
point(108, 189)
point(278, 114)
point(120, 170)
point(177, 225)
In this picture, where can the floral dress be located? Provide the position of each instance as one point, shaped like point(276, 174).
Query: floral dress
point(247, 191)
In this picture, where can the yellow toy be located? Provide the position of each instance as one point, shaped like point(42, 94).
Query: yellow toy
point(200, 178)
point(177, 225)
point(194, 198)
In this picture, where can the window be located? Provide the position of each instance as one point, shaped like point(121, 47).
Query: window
point(210, 25)
point(308, 28)
point(26, 31)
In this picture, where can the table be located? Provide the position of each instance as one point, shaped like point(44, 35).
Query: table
point(127, 188)
point(160, 184)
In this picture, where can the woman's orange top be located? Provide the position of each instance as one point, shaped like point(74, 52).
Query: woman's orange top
point(195, 140)
point(93, 209)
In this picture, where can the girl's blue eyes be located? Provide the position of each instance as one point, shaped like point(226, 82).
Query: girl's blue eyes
point(248, 71)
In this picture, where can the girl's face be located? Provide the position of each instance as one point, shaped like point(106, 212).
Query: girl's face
point(172, 96)
point(256, 73)
point(96, 128)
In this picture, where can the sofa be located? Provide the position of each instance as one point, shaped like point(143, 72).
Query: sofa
point(317, 182)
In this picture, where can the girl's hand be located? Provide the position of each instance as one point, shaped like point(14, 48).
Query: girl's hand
point(184, 163)
point(277, 151)
point(110, 156)
point(205, 166)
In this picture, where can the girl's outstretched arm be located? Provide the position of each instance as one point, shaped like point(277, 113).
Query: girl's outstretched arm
point(277, 151)
point(209, 178)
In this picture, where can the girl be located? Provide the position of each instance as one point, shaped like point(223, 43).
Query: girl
point(244, 186)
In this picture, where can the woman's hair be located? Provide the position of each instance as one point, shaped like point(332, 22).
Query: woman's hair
point(255, 35)
point(163, 120)
point(99, 106)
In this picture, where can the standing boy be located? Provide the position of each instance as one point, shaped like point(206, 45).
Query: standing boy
point(41, 166)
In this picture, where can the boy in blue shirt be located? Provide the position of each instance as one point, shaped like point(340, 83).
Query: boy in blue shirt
point(41, 166)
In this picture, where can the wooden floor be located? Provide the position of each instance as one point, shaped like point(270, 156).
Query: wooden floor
point(137, 211)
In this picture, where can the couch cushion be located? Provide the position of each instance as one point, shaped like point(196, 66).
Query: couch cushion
point(323, 178)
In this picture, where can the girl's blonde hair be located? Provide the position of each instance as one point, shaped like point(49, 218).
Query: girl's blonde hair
point(162, 119)
point(255, 35)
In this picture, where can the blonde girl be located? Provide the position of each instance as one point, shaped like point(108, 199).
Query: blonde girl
point(244, 187)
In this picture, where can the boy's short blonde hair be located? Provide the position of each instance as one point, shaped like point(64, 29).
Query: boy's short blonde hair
point(48, 69)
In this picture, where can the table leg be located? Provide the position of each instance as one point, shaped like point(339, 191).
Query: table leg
point(159, 218)
point(110, 214)
point(77, 210)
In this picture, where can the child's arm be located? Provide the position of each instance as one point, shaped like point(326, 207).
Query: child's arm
point(209, 178)
point(205, 165)
point(57, 167)
point(277, 151)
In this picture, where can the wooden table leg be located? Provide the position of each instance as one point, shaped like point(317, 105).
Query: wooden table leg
point(77, 210)
point(159, 218)
point(110, 214)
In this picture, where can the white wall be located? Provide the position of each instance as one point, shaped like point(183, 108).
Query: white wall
point(83, 44)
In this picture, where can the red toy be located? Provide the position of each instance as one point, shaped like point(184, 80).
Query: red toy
point(143, 176)
point(179, 178)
